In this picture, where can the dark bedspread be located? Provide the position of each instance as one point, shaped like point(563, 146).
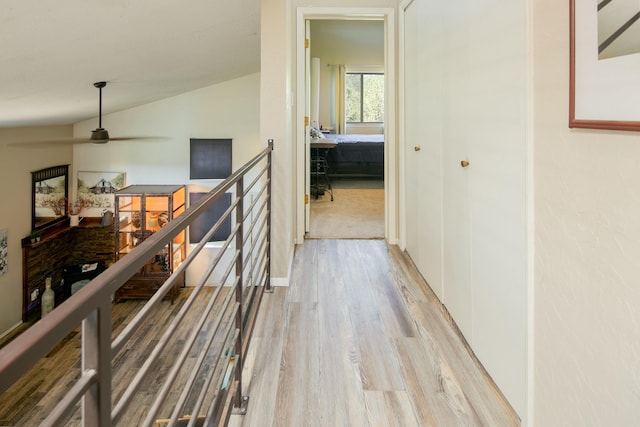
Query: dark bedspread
point(356, 148)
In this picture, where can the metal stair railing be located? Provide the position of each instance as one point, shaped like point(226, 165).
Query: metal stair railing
point(204, 381)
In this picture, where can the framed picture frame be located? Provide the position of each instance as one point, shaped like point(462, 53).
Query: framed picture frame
point(49, 196)
point(604, 65)
point(97, 190)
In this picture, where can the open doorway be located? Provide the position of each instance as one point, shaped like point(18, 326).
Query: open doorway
point(392, 205)
point(347, 126)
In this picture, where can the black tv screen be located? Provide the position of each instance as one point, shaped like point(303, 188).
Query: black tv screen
point(210, 158)
point(203, 224)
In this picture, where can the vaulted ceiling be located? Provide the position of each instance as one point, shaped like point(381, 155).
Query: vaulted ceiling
point(51, 53)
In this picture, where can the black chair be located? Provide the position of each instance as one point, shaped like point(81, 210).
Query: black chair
point(319, 174)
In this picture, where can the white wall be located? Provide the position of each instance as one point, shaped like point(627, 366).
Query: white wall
point(16, 165)
point(225, 110)
point(587, 251)
point(276, 109)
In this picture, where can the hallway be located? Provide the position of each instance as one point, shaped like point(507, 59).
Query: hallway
point(357, 339)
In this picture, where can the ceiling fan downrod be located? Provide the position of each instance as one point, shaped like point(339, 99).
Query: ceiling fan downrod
point(100, 134)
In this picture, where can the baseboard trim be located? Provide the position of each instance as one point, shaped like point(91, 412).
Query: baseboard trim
point(279, 281)
point(284, 281)
point(11, 333)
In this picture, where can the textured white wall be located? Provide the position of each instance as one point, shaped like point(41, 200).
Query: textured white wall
point(587, 251)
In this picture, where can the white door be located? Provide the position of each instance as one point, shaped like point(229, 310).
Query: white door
point(458, 296)
point(460, 111)
point(498, 203)
point(307, 113)
point(423, 150)
point(437, 186)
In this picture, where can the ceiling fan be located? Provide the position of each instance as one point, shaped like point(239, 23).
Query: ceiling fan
point(98, 136)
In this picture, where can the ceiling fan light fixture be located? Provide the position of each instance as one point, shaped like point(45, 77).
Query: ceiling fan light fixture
point(99, 135)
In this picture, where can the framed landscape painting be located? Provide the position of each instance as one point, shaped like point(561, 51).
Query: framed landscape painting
point(604, 64)
point(96, 190)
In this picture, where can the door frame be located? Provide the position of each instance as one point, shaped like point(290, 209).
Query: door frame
point(391, 193)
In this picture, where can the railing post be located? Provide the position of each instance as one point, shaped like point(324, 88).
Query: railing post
point(240, 400)
point(96, 355)
point(268, 245)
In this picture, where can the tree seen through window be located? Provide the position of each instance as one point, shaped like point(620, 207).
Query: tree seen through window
point(364, 97)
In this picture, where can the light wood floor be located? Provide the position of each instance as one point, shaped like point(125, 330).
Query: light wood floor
point(357, 339)
point(32, 398)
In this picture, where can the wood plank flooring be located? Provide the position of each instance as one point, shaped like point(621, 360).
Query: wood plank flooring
point(32, 398)
point(358, 339)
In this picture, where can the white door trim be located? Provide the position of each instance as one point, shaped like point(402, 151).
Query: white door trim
point(390, 128)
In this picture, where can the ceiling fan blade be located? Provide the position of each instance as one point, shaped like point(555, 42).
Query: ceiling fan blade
point(50, 142)
point(138, 138)
point(73, 141)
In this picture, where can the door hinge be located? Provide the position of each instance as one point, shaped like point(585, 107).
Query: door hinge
point(306, 120)
point(306, 43)
point(306, 199)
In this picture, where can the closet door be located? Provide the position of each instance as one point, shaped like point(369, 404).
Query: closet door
point(436, 141)
point(423, 145)
point(498, 203)
point(467, 224)
point(458, 296)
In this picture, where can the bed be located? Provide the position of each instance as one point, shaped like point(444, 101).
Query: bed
point(356, 155)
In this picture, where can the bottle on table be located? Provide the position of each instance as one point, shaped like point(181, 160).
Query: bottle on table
point(48, 297)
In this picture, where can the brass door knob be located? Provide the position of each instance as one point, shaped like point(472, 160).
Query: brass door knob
point(417, 148)
point(464, 163)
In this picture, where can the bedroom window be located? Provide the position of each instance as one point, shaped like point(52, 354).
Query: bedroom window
point(364, 97)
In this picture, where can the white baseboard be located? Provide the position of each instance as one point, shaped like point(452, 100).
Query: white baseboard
point(8, 331)
point(279, 281)
point(284, 281)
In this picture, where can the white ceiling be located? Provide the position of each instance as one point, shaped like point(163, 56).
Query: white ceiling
point(51, 53)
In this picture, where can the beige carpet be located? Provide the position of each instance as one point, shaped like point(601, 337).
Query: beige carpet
point(354, 214)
